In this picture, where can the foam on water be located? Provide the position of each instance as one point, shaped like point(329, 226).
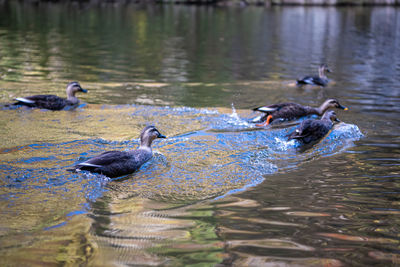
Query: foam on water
point(236, 120)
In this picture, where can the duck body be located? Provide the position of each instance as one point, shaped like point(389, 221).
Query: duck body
point(313, 130)
point(320, 80)
point(53, 102)
point(291, 111)
point(286, 111)
point(118, 163)
point(312, 80)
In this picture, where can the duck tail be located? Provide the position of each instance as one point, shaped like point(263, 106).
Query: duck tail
point(265, 109)
point(24, 102)
point(301, 82)
point(290, 137)
point(294, 135)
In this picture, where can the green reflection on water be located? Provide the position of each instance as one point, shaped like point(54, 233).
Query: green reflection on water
point(345, 207)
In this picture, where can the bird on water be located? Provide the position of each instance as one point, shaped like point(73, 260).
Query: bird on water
point(313, 130)
point(118, 163)
point(53, 102)
point(291, 111)
point(320, 80)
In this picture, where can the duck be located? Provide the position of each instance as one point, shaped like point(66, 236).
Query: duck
point(118, 163)
point(291, 111)
point(321, 80)
point(313, 130)
point(53, 102)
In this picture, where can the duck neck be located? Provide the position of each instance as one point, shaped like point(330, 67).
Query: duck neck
point(326, 117)
point(145, 144)
point(317, 111)
point(321, 109)
point(72, 98)
point(321, 73)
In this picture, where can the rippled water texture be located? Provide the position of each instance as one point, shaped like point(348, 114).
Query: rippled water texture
point(219, 190)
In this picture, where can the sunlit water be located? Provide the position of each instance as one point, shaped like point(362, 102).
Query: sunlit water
point(219, 190)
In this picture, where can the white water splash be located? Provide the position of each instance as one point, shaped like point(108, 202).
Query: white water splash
point(189, 109)
point(234, 119)
point(284, 145)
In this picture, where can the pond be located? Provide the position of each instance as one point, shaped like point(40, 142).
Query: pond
point(219, 191)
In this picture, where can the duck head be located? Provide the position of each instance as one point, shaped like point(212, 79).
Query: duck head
point(322, 69)
point(331, 103)
point(74, 87)
point(330, 115)
point(148, 134)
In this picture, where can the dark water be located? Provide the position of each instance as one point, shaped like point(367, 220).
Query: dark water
point(219, 191)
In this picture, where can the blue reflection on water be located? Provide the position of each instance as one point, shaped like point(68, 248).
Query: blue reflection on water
point(230, 152)
point(55, 226)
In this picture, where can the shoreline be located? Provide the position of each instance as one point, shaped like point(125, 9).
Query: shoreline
point(228, 3)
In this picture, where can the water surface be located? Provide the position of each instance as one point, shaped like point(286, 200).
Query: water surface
point(219, 191)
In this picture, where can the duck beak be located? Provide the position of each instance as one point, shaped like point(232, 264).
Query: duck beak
point(161, 136)
point(337, 120)
point(328, 70)
point(83, 90)
point(343, 107)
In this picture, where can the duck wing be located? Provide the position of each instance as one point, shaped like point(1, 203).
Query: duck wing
point(306, 80)
point(272, 108)
point(313, 80)
point(310, 130)
point(305, 129)
point(51, 102)
point(291, 111)
point(319, 81)
point(104, 159)
point(115, 163)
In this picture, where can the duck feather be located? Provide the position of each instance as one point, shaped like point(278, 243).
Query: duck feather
point(313, 130)
point(53, 102)
point(117, 163)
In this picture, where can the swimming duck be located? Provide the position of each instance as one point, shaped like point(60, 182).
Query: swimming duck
point(321, 80)
point(53, 102)
point(290, 111)
point(313, 130)
point(118, 163)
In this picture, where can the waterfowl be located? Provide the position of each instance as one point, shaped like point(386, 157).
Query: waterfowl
point(291, 111)
point(313, 130)
point(321, 80)
point(118, 163)
point(53, 102)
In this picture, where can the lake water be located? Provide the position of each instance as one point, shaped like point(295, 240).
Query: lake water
point(219, 191)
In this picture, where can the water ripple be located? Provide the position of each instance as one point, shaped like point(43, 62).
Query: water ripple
point(227, 157)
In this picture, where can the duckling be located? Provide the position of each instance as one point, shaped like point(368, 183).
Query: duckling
point(321, 80)
point(313, 130)
point(118, 163)
point(53, 102)
point(291, 111)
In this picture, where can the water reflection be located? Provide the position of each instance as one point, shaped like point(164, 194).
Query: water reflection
point(225, 155)
point(126, 44)
point(327, 199)
point(219, 191)
point(132, 232)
